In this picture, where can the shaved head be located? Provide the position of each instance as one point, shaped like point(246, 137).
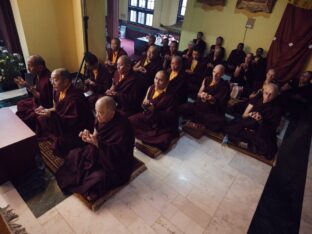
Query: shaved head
point(105, 108)
point(106, 103)
point(270, 92)
point(35, 64)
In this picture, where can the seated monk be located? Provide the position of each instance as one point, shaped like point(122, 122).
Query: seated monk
point(106, 161)
point(200, 43)
point(99, 80)
point(70, 114)
point(209, 108)
point(148, 66)
point(126, 89)
point(174, 46)
point(259, 123)
point(157, 125)
point(113, 55)
point(188, 52)
point(177, 80)
point(218, 45)
point(41, 90)
point(236, 57)
point(239, 107)
point(165, 49)
point(297, 96)
point(195, 72)
point(213, 60)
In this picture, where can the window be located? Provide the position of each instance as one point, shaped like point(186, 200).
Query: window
point(141, 11)
point(181, 10)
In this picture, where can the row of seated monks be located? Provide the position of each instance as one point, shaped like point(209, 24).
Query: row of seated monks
point(144, 100)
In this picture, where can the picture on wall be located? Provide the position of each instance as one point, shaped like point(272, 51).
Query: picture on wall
point(256, 5)
point(213, 2)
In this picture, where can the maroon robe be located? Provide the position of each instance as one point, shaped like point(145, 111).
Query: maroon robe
point(91, 170)
point(26, 108)
point(112, 69)
point(214, 61)
point(208, 114)
point(152, 68)
point(178, 87)
point(72, 115)
point(260, 136)
point(129, 93)
point(160, 126)
point(235, 59)
point(195, 80)
point(102, 82)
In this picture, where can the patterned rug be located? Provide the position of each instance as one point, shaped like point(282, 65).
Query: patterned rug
point(8, 223)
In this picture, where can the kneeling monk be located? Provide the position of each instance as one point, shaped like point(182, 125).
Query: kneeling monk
point(157, 125)
point(106, 161)
point(70, 114)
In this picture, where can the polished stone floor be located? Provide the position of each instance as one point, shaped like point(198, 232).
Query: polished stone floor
point(199, 186)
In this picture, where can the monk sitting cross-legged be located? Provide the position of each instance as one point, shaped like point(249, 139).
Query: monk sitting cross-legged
point(41, 91)
point(157, 125)
point(70, 114)
point(106, 161)
point(126, 88)
point(258, 125)
point(210, 105)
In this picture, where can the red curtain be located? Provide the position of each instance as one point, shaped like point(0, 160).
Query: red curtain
point(8, 30)
point(289, 51)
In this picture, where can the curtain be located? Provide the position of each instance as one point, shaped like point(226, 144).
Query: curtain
point(292, 45)
point(8, 30)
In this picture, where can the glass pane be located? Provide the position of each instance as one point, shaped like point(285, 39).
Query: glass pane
point(142, 3)
point(150, 4)
point(133, 16)
point(149, 19)
point(141, 17)
point(183, 10)
point(134, 2)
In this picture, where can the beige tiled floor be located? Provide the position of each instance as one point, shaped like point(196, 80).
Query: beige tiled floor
point(197, 187)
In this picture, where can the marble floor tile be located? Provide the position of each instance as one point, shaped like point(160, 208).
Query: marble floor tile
point(163, 226)
point(53, 223)
point(251, 167)
point(82, 220)
point(139, 227)
point(186, 224)
point(195, 213)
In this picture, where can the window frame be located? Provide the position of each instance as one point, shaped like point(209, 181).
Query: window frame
point(179, 16)
point(138, 9)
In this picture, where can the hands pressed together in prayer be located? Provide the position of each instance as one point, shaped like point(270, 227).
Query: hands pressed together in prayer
point(210, 65)
point(20, 81)
point(43, 112)
point(256, 116)
point(87, 137)
point(206, 97)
